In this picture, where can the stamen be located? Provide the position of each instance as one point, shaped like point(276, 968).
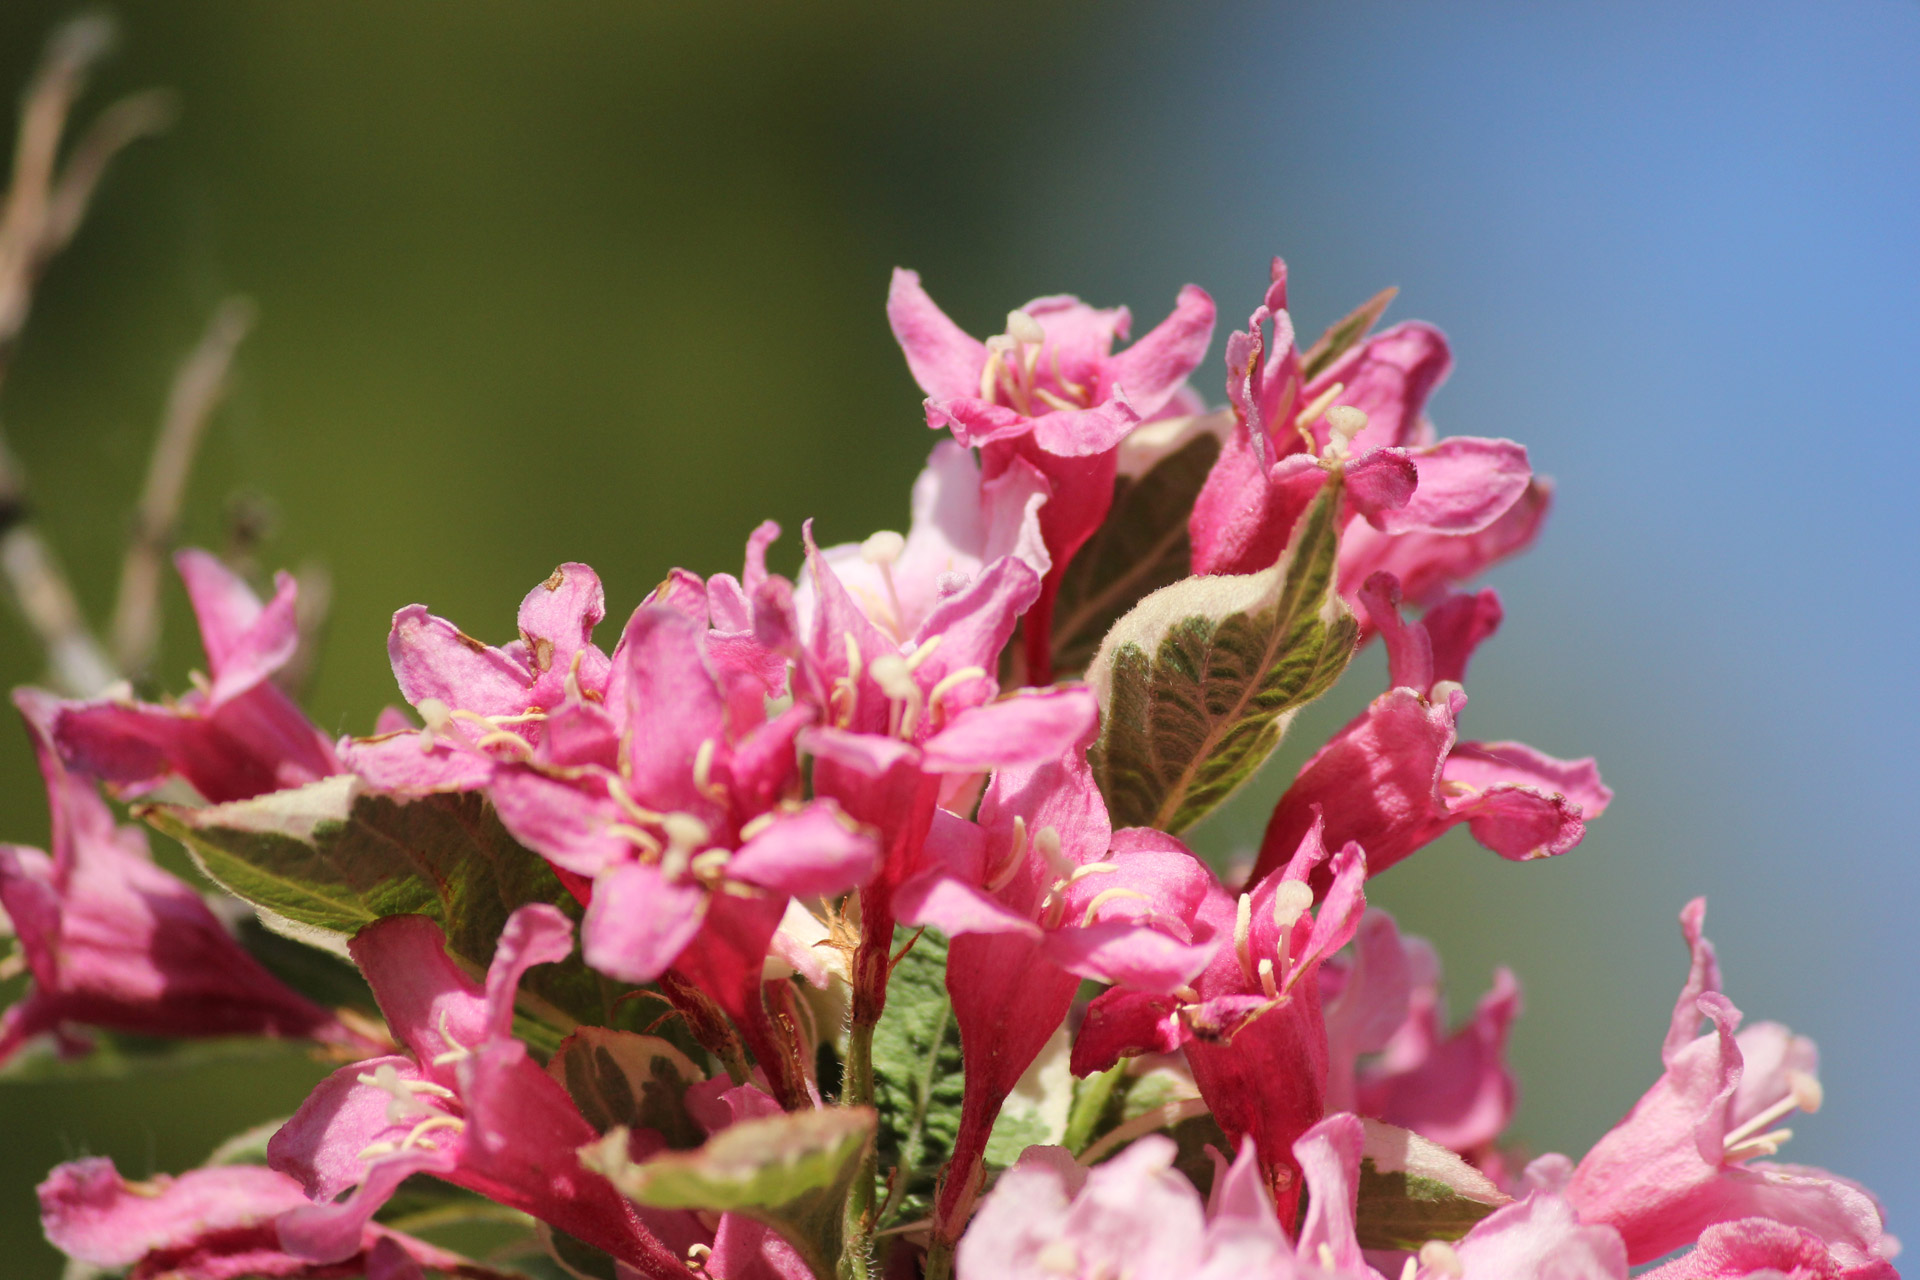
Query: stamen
point(1291, 898)
point(1059, 1257)
point(894, 675)
point(951, 681)
point(755, 826)
point(501, 738)
point(455, 1053)
point(404, 1102)
point(1243, 935)
point(1187, 994)
point(617, 788)
point(1312, 414)
point(1803, 1094)
point(883, 548)
point(708, 863)
point(1409, 1268)
point(990, 372)
point(1052, 400)
point(1439, 1255)
point(1105, 896)
point(635, 836)
point(1325, 1254)
point(924, 652)
point(1765, 1145)
point(685, 833)
point(1016, 856)
point(571, 685)
point(1091, 869)
point(1267, 985)
point(1046, 842)
point(1024, 329)
point(428, 1126)
point(1344, 422)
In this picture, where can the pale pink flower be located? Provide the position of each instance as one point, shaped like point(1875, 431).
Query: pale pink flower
point(1688, 1155)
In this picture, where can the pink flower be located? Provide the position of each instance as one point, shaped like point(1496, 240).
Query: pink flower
point(232, 737)
point(1039, 895)
point(909, 724)
point(1454, 1089)
point(1427, 509)
point(464, 1103)
point(1396, 777)
point(960, 526)
point(683, 820)
point(1759, 1247)
point(1050, 390)
point(1251, 1023)
point(483, 704)
point(1685, 1157)
point(208, 1224)
point(1050, 1219)
point(113, 941)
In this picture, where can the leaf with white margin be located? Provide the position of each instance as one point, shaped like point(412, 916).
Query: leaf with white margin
point(1198, 682)
point(791, 1172)
point(1413, 1190)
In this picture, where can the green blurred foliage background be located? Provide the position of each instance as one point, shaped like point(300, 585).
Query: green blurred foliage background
point(605, 282)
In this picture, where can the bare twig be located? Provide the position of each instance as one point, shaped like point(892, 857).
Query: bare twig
point(197, 389)
point(43, 208)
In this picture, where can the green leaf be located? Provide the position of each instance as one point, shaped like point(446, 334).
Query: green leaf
point(630, 1080)
point(1339, 339)
point(1198, 683)
point(1141, 547)
point(917, 1076)
point(1413, 1191)
point(321, 862)
point(792, 1172)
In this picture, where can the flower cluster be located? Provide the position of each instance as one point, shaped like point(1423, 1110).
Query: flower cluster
point(841, 924)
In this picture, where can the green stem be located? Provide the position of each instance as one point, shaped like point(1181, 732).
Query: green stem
point(939, 1260)
point(857, 1256)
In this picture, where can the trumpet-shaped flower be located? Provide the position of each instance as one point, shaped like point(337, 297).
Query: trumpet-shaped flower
point(682, 823)
point(1397, 777)
point(1040, 894)
point(464, 1103)
point(1050, 390)
point(234, 735)
point(482, 704)
point(1427, 506)
point(114, 942)
point(209, 1224)
point(1688, 1156)
point(1454, 1088)
point(1761, 1248)
point(1251, 1023)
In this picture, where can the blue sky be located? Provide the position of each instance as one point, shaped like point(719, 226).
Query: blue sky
point(1675, 248)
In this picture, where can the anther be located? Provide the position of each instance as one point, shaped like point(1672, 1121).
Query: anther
point(1344, 422)
point(1016, 857)
point(951, 681)
point(1105, 896)
point(1024, 329)
point(883, 547)
point(1059, 1257)
point(1268, 986)
point(1243, 935)
point(1046, 843)
point(1440, 1256)
point(1803, 1094)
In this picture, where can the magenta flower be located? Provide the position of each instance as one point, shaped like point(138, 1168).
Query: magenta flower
point(1039, 895)
point(113, 941)
point(1427, 509)
point(234, 736)
point(1251, 1023)
point(1050, 390)
point(1397, 778)
point(1687, 1156)
point(908, 725)
point(481, 704)
point(464, 1103)
point(209, 1224)
point(684, 820)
